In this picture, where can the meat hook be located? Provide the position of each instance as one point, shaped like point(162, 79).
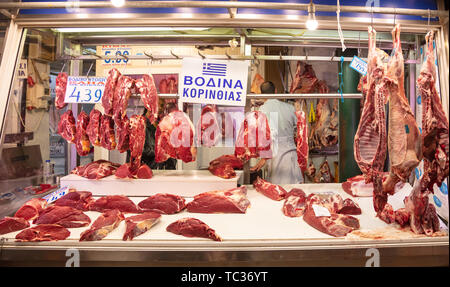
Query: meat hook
point(178, 57)
point(201, 55)
point(228, 56)
point(150, 56)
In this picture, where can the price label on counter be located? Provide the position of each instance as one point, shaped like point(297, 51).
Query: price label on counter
point(359, 65)
point(56, 194)
point(85, 90)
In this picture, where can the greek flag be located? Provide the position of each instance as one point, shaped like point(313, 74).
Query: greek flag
point(211, 69)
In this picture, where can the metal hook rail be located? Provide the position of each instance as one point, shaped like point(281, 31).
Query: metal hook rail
point(282, 96)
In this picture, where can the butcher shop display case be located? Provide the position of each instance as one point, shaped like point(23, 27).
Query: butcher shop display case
point(224, 133)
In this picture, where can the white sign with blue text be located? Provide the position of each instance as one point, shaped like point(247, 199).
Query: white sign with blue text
point(359, 65)
point(87, 90)
point(219, 82)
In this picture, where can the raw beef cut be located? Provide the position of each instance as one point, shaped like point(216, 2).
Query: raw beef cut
point(43, 232)
point(163, 203)
point(60, 90)
point(358, 187)
point(220, 201)
point(107, 136)
point(305, 81)
point(272, 191)
point(108, 93)
point(122, 94)
point(258, 80)
point(295, 203)
point(103, 225)
point(76, 199)
point(324, 131)
point(139, 224)
point(149, 96)
point(168, 86)
point(175, 138)
point(387, 214)
point(82, 143)
point(402, 217)
point(93, 128)
point(192, 227)
point(119, 202)
point(370, 138)
point(208, 129)
point(96, 169)
point(324, 174)
point(123, 134)
point(65, 216)
point(137, 140)
point(126, 171)
point(435, 128)
point(321, 214)
point(225, 165)
point(67, 126)
point(404, 142)
point(11, 224)
point(254, 138)
point(302, 140)
point(31, 209)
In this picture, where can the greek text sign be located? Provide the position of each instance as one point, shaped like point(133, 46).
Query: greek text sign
point(359, 65)
point(84, 89)
point(213, 82)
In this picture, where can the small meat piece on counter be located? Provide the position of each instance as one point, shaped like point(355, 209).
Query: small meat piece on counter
point(402, 217)
point(82, 143)
point(103, 225)
point(67, 126)
point(11, 224)
point(119, 202)
point(295, 203)
point(76, 199)
point(123, 134)
point(60, 90)
point(192, 227)
point(149, 96)
point(93, 128)
point(220, 201)
point(208, 130)
point(225, 165)
point(65, 216)
point(126, 171)
point(108, 93)
point(139, 224)
point(319, 213)
point(387, 214)
point(175, 138)
point(43, 232)
point(302, 140)
point(254, 138)
point(31, 209)
point(122, 94)
point(164, 203)
point(137, 140)
point(108, 137)
point(96, 169)
point(272, 191)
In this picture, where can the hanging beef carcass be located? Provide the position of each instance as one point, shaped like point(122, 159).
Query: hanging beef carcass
point(108, 93)
point(256, 84)
point(435, 141)
point(82, 143)
point(122, 94)
point(302, 140)
point(175, 138)
point(305, 80)
point(123, 134)
point(370, 138)
point(404, 142)
point(435, 127)
point(93, 128)
point(254, 138)
point(67, 126)
point(60, 90)
point(107, 136)
point(208, 128)
point(324, 131)
point(147, 89)
point(137, 140)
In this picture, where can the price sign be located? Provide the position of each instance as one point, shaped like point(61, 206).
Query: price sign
point(56, 194)
point(85, 90)
point(359, 65)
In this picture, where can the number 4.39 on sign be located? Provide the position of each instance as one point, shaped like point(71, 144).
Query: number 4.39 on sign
point(84, 89)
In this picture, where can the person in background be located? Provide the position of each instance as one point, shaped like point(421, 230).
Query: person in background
point(148, 153)
point(283, 167)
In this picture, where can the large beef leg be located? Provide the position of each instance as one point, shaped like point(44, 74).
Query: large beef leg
point(404, 144)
